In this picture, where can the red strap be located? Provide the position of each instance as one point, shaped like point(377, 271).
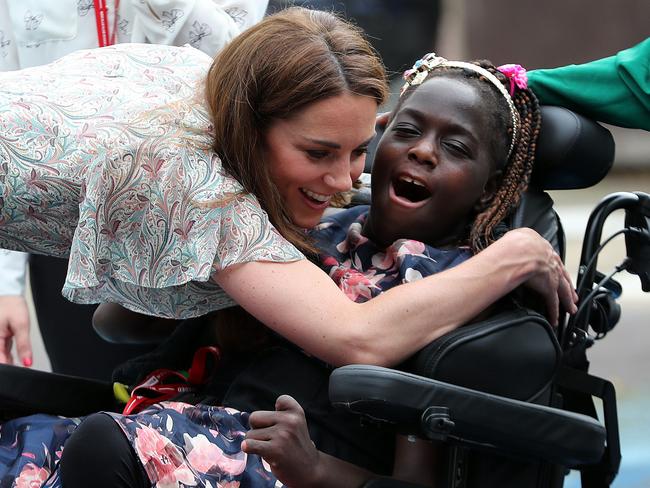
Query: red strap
point(163, 384)
point(200, 370)
point(104, 36)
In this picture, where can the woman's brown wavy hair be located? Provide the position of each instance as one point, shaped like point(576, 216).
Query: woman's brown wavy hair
point(271, 71)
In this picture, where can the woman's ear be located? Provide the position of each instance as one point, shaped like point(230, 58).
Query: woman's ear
point(382, 120)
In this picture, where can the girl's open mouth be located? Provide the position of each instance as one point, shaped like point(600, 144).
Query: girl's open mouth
point(409, 189)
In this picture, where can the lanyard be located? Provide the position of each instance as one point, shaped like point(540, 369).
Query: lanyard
point(104, 36)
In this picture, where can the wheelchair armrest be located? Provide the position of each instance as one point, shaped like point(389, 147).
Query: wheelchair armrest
point(25, 392)
point(479, 419)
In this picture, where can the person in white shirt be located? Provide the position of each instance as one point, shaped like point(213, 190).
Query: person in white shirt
point(36, 32)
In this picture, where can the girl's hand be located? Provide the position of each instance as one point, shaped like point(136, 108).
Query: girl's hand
point(282, 439)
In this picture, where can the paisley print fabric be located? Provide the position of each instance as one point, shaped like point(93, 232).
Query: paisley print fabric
point(105, 157)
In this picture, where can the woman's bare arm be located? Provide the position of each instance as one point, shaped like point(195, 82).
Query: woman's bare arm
point(300, 302)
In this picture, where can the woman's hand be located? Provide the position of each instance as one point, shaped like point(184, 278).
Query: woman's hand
point(548, 276)
point(14, 324)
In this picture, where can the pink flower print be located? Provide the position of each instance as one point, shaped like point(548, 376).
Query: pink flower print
point(204, 455)
point(161, 459)
point(411, 275)
point(406, 247)
point(409, 247)
point(356, 285)
point(329, 261)
point(355, 237)
point(32, 476)
point(343, 246)
point(383, 260)
point(176, 406)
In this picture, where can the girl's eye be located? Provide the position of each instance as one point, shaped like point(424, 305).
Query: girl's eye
point(406, 130)
point(317, 153)
point(457, 147)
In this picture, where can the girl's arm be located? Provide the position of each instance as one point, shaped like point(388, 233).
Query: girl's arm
point(281, 438)
point(300, 302)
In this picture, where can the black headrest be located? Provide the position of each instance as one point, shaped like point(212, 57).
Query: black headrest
point(572, 151)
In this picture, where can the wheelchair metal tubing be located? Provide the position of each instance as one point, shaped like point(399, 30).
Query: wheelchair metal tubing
point(593, 234)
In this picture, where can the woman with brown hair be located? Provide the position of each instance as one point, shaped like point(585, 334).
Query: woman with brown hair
point(156, 221)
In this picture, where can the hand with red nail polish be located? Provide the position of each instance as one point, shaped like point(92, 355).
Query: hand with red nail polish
point(14, 326)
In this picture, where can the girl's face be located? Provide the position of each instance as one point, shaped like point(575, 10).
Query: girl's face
point(319, 152)
point(432, 165)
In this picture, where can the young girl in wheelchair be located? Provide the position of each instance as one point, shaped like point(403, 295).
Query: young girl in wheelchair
point(456, 155)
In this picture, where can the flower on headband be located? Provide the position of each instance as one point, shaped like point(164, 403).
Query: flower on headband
point(517, 76)
point(420, 70)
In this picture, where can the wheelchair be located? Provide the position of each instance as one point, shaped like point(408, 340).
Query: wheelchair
point(508, 397)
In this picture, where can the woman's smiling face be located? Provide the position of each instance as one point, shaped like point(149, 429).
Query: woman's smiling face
point(319, 152)
point(432, 165)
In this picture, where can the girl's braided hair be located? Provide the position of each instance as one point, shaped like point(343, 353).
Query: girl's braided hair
point(515, 169)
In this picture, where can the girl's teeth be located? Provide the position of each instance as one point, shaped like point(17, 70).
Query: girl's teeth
point(316, 196)
point(410, 180)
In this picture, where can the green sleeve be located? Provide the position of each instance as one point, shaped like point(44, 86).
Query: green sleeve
point(615, 90)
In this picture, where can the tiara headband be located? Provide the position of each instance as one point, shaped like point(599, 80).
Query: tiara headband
point(516, 74)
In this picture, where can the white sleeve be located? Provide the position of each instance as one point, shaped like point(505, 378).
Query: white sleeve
point(207, 25)
point(12, 276)
point(8, 46)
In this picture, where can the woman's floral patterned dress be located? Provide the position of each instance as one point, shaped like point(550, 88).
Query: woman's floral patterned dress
point(105, 157)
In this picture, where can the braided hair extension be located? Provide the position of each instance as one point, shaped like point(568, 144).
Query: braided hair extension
point(516, 171)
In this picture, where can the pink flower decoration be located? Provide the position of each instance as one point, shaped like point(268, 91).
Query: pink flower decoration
point(32, 476)
point(517, 76)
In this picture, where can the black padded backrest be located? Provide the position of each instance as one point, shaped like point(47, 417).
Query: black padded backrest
point(535, 210)
point(572, 151)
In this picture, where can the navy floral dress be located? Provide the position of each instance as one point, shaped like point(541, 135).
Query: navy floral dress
point(362, 270)
point(182, 445)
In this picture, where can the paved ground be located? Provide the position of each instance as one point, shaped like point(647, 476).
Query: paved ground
point(624, 356)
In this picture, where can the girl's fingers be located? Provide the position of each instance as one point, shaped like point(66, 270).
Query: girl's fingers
point(262, 419)
point(286, 403)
